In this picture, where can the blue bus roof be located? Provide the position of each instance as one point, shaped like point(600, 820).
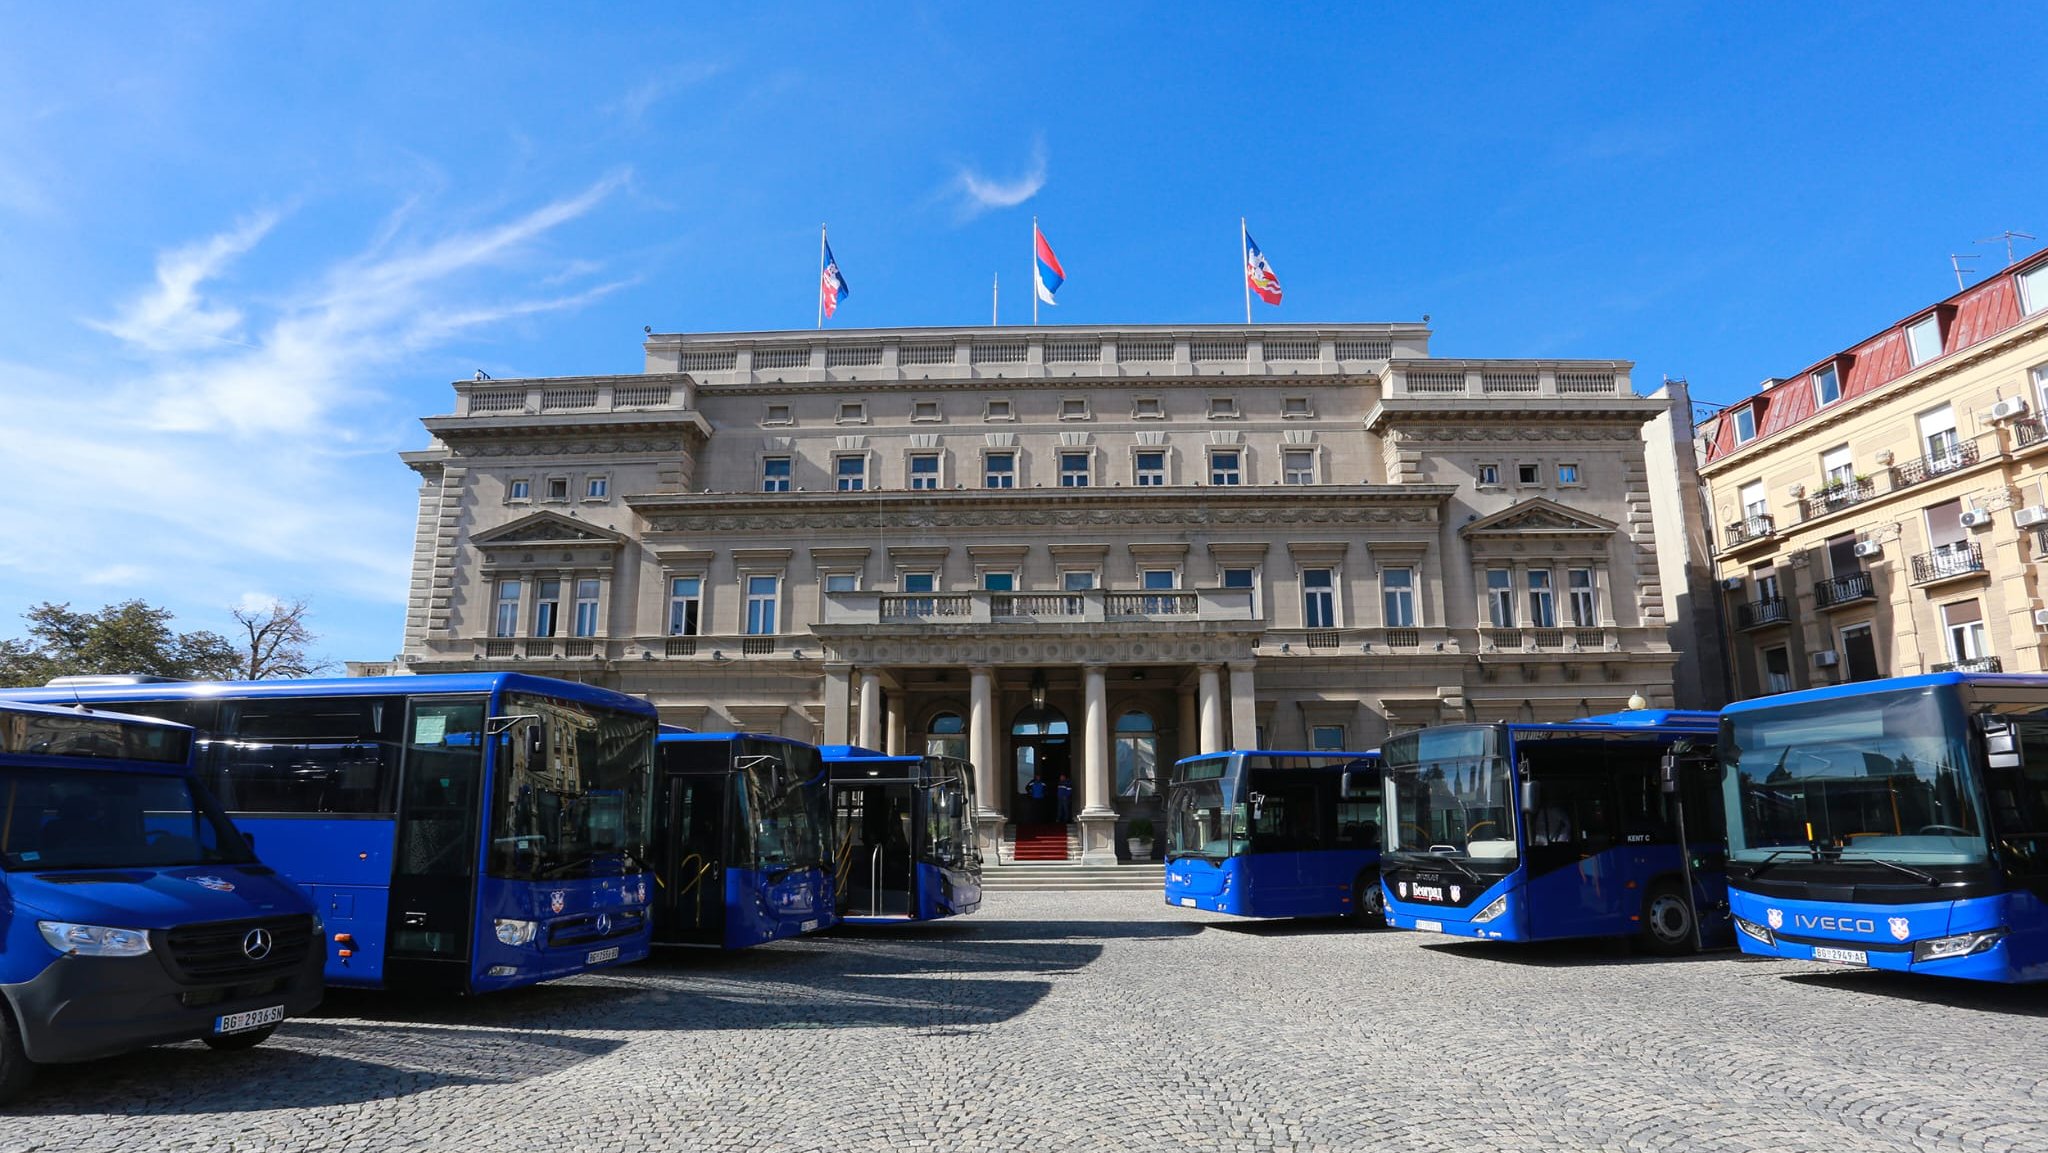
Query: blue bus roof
point(1331, 753)
point(670, 733)
point(1865, 688)
point(859, 753)
point(1652, 718)
point(334, 686)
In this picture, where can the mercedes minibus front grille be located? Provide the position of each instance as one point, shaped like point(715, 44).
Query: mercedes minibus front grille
point(222, 951)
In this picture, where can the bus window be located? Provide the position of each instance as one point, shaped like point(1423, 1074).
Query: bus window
point(305, 755)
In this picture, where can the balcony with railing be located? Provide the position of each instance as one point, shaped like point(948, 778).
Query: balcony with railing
point(1836, 496)
point(2028, 431)
point(1091, 606)
point(1972, 665)
point(1762, 613)
point(1750, 530)
point(1961, 560)
point(1960, 455)
point(1844, 590)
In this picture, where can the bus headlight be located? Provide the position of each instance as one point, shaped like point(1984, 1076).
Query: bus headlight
point(516, 932)
point(1755, 932)
point(1499, 906)
point(1942, 948)
point(94, 940)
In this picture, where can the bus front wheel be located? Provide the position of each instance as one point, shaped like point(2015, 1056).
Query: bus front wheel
point(1368, 903)
point(15, 1070)
point(1667, 920)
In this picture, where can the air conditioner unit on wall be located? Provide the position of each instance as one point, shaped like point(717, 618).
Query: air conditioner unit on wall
point(1868, 548)
point(2028, 517)
point(1976, 517)
point(2041, 618)
point(1731, 583)
point(1826, 659)
point(2009, 407)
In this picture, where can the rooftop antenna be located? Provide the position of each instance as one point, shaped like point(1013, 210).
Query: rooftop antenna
point(1955, 261)
point(2008, 236)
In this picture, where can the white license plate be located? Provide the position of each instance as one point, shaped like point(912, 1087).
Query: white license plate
point(253, 1019)
point(600, 956)
point(1188, 902)
point(810, 926)
point(1841, 956)
point(1430, 926)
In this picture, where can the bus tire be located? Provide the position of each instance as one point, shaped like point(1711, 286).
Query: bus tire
point(236, 1042)
point(1668, 920)
point(15, 1070)
point(1368, 902)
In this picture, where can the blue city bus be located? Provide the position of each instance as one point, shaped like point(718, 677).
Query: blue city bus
point(1893, 824)
point(740, 853)
point(903, 835)
point(131, 912)
point(1606, 826)
point(468, 832)
point(1262, 833)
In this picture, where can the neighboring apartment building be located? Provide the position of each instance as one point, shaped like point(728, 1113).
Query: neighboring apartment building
point(1885, 511)
point(1078, 552)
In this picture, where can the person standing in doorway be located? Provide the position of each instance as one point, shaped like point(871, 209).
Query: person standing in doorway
point(1066, 791)
point(1036, 790)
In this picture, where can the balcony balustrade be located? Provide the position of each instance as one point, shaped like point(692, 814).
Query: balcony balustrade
point(1962, 454)
point(1959, 560)
point(1836, 497)
point(1844, 590)
point(1188, 606)
point(1762, 613)
point(1972, 665)
point(1751, 529)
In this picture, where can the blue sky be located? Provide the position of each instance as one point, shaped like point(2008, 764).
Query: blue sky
point(243, 248)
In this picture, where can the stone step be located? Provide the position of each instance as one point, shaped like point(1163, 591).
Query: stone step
point(1051, 876)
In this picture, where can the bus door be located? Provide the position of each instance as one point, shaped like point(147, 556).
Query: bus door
point(1575, 879)
point(690, 864)
point(880, 864)
point(1702, 827)
point(1286, 826)
point(433, 901)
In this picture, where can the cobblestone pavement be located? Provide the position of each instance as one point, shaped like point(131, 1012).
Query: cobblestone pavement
point(1061, 1021)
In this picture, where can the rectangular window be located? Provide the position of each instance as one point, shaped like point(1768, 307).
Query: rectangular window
point(1745, 425)
point(1326, 737)
point(763, 593)
point(998, 410)
point(1238, 578)
point(1500, 598)
point(1073, 408)
point(1151, 469)
point(1226, 467)
point(506, 622)
point(1964, 622)
point(1319, 598)
point(842, 582)
point(558, 488)
point(1842, 558)
point(850, 473)
point(685, 603)
point(1838, 470)
point(1147, 408)
point(1488, 474)
point(586, 608)
point(1827, 387)
point(521, 489)
point(853, 412)
point(924, 471)
point(1295, 408)
point(1585, 604)
point(1923, 339)
point(1074, 470)
point(1528, 474)
point(2040, 375)
point(999, 581)
point(1397, 598)
point(547, 605)
point(596, 488)
point(1222, 407)
point(1938, 434)
point(775, 471)
point(1542, 599)
point(1754, 502)
point(999, 470)
point(1076, 580)
point(2033, 289)
point(1298, 466)
point(1859, 653)
point(1568, 474)
point(1766, 580)
point(924, 411)
point(919, 582)
point(777, 414)
point(1777, 670)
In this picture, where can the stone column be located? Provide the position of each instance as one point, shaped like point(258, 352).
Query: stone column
point(1188, 739)
point(1244, 707)
point(981, 749)
point(1098, 819)
point(898, 725)
point(838, 688)
point(870, 709)
point(1209, 691)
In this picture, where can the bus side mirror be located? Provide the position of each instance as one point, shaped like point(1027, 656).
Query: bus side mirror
point(536, 739)
point(1667, 773)
point(1529, 798)
point(2000, 746)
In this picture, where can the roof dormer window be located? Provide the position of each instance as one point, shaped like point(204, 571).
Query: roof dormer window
point(1745, 425)
point(1923, 339)
point(1827, 387)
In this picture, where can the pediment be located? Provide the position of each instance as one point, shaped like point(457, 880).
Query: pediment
point(1539, 517)
point(547, 528)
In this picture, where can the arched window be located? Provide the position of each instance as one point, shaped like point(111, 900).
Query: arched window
point(1039, 721)
point(1137, 755)
point(946, 736)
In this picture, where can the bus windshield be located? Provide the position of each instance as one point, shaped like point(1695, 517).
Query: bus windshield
point(65, 819)
point(579, 807)
point(1202, 818)
point(1879, 777)
point(784, 813)
point(1453, 794)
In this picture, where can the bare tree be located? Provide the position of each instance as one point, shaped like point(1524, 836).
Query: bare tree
point(278, 639)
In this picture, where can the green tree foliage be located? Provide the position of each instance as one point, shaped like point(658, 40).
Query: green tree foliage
point(131, 637)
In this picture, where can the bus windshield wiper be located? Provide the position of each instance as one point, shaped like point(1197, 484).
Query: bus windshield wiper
point(1906, 869)
point(1422, 860)
point(1771, 857)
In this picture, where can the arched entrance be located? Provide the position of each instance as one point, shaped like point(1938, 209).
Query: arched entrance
point(1041, 753)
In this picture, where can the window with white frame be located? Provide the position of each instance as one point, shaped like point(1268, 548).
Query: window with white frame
point(764, 594)
point(775, 473)
point(1923, 339)
point(1075, 580)
point(1137, 755)
point(918, 581)
point(1319, 598)
point(841, 582)
point(1157, 580)
point(596, 487)
point(1938, 435)
point(1963, 622)
point(946, 736)
point(1528, 473)
point(1837, 467)
point(519, 490)
point(1754, 502)
point(1765, 577)
point(1298, 466)
point(1486, 475)
point(1567, 474)
point(1222, 408)
point(1226, 466)
point(999, 580)
point(998, 410)
point(853, 412)
point(850, 473)
point(999, 470)
point(1745, 425)
point(924, 411)
point(1295, 408)
point(1777, 670)
point(1585, 597)
point(1073, 408)
point(1150, 468)
point(1397, 597)
point(924, 470)
point(1240, 578)
point(2033, 289)
point(505, 622)
point(547, 606)
point(1500, 598)
point(1827, 387)
point(2040, 374)
point(1326, 738)
point(558, 488)
point(686, 606)
point(1074, 469)
point(1542, 599)
point(585, 624)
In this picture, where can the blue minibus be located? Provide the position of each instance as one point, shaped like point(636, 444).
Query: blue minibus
point(1260, 833)
point(902, 835)
point(463, 832)
point(741, 855)
point(132, 913)
point(1896, 824)
point(1605, 826)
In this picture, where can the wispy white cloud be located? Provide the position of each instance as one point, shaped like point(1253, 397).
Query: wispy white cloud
point(172, 316)
point(645, 95)
point(976, 193)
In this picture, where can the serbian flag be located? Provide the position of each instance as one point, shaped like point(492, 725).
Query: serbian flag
point(1047, 272)
point(1258, 273)
point(831, 285)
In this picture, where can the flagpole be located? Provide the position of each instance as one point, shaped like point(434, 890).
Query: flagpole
point(995, 300)
point(1244, 244)
point(1034, 272)
point(821, 278)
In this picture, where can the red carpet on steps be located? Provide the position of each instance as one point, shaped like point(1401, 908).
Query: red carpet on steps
point(1041, 843)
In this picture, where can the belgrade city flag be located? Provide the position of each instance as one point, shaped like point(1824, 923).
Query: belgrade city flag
point(831, 285)
point(1258, 273)
point(1047, 271)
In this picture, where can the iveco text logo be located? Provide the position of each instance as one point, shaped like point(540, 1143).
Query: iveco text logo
point(256, 944)
point(1834, 924)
